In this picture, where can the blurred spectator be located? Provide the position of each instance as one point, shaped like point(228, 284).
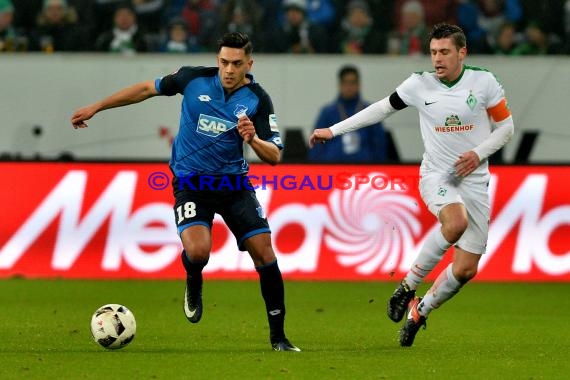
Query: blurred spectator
point(26, 13)
point(547, 13)
point(149, 14)
point(317, 12)
point(363, 145)
point(10, 40)
point(104, 11)
point(506, 40)
point(435, 11)
point(482, 19)
point(468, 19)
point(86, 18)
point(321, 12)
point(57, 29)
point(297, 35)
point(411, 37)
point(382, 12)
point(242, 16)
point(272, 11)
point(173, 8)
point(494, 13)
point(202, 19)
point(538, 42)
point(358, 33)
point(125, 36)
point(178, 39)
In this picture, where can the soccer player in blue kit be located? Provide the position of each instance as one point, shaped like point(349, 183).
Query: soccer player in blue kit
point(222, 107)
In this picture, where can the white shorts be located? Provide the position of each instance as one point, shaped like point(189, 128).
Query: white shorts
point(438, 190)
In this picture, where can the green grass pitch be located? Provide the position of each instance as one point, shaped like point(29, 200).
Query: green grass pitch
point(488, 331)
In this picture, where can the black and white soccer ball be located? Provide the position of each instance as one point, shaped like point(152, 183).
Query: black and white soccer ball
point(113, 326)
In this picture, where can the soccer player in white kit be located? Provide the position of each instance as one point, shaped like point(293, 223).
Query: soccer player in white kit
point(464, 119)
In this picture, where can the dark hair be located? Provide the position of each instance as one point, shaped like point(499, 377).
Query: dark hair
point(453, 32)
point(348, 69)
point(124, 5)
point(236, 40)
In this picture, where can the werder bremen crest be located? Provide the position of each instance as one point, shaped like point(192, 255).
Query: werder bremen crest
point(471, 101)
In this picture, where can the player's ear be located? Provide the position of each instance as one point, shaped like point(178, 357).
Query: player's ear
point(463, 52)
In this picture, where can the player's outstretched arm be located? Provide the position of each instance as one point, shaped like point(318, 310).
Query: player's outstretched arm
point(371, 115)
point(128, 95)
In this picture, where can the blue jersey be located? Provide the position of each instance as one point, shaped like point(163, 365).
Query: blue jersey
point(208, 141)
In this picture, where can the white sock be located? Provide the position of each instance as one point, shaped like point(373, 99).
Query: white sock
point(443, 289)
point(430, 255)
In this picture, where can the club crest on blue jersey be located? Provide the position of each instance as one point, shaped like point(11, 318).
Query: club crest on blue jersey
point(213, 126)
point(240, 110)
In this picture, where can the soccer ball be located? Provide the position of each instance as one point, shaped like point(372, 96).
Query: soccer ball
point(113, 326)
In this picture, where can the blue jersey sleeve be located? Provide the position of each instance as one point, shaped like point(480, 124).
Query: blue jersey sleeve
point(265, 121)
point(175, 83)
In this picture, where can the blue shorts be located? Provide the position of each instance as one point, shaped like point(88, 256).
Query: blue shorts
point(240, 209)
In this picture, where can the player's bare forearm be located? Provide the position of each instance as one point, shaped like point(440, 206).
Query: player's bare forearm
point(265, 150)
point(128, 95)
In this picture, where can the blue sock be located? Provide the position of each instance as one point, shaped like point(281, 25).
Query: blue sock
point(273, 292)
point(193, 271)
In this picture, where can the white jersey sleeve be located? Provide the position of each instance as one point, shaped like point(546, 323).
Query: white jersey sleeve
point(408, 88)
point(495, 91)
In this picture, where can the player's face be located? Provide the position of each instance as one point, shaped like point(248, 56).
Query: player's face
point(233, 64)
point(349, 86)
point(446, 59)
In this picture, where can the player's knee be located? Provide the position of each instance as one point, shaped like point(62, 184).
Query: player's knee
point(453, 230)
point(197, 251)
point(263, 256)
point(465, 274)
point(260, 249)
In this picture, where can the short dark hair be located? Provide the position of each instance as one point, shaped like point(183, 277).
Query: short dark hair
point(453, 32)
point(236, 40)
point(348, 69)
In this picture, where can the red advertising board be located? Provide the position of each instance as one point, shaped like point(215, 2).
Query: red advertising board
point(329, 222)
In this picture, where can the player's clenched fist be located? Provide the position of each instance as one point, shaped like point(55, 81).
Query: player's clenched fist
point(321, 135)
point(246, 129)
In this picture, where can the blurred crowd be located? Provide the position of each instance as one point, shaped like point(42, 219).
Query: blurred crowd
point(396, 27)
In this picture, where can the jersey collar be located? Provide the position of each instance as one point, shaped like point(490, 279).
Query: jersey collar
point(452, 83)
point(228, 96)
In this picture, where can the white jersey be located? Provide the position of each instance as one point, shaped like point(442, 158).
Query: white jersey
point(453, 117)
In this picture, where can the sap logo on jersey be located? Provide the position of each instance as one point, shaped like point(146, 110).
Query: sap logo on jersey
point(213, 126)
